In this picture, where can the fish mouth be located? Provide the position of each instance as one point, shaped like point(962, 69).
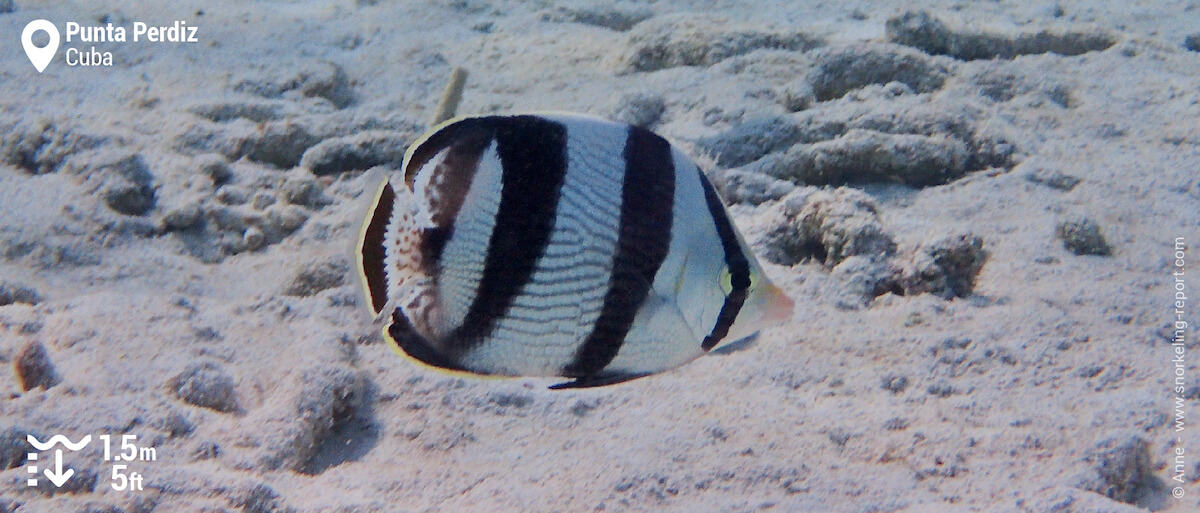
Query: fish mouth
point(779, 306)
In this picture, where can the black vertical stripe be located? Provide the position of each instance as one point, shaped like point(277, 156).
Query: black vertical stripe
point(643, 241)
point(372, 250)
point(533, 159)
point(739, 267)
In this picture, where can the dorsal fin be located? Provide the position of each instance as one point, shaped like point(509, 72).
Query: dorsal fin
point(467, 136)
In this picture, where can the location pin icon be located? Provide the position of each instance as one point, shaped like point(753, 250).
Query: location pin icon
point(40, 57)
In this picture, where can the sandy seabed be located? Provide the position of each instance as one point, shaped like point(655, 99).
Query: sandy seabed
point(980, 208)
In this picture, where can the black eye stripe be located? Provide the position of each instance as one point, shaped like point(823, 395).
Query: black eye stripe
point(735, 260)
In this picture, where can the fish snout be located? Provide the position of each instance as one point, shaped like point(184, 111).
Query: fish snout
point(778, 306)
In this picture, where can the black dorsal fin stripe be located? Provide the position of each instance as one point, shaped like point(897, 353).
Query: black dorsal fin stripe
point(643, 241)
point(533, 160)
point(455, 134)
point(735, 259)
point(453, 179)
point(372, 249)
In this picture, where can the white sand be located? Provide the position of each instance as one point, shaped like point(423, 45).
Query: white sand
point(1009, 397)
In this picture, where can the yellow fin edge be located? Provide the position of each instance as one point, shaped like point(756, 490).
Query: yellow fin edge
point(395, 347)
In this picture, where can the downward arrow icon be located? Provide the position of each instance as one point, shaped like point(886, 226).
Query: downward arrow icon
point(58, 477)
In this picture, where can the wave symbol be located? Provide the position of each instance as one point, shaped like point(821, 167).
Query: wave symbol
point(58, 439)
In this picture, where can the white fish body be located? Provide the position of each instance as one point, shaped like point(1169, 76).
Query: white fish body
point(558, 245)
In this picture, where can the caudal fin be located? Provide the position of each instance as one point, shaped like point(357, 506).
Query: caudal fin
point(371, 251)
point(390, 259)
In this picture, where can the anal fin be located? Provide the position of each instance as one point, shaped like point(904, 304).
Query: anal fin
point(406, 341)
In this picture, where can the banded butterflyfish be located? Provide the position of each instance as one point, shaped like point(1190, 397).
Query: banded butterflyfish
point(557, 245)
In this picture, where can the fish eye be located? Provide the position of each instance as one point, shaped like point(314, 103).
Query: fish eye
point(726, 280)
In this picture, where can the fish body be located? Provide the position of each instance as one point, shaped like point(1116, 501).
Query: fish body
point(557, 245)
